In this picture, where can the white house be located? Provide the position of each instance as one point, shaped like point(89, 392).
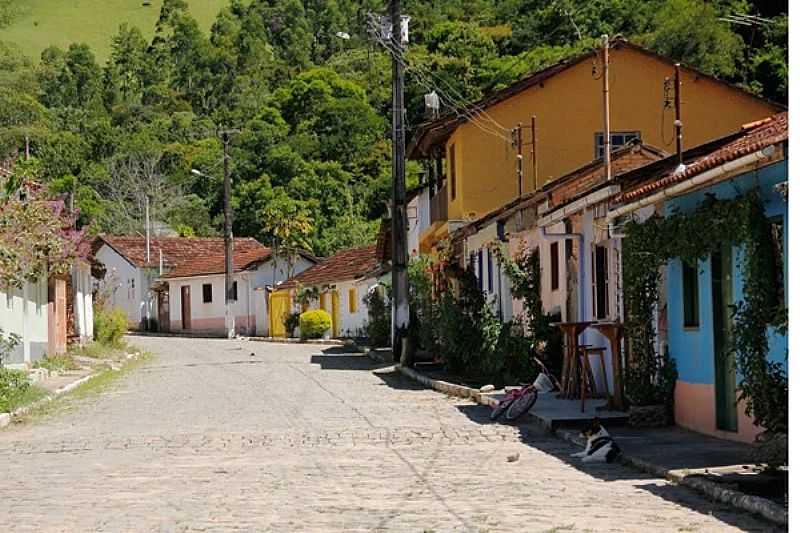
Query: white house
point(341, 282)
point(196, 290)
point(81, 305)
point(24, 312)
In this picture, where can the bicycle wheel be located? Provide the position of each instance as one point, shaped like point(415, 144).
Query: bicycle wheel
point(522, 404)
point(500, 408)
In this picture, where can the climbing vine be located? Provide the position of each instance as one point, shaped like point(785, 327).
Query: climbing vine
point(691, 237)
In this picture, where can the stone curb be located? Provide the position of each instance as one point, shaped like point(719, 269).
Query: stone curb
point(7, 418)
point(714, 491)
point(281, 340)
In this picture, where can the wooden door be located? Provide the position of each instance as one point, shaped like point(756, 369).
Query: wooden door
point(724, 359)
point(335, 313)
point(278, 309)
point(57, 316)
point(186, 307)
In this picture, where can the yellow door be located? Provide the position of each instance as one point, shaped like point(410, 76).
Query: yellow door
point(335, 313)
point(278, 309)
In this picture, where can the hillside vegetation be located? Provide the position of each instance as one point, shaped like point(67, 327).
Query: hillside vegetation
point(119, 123)
point(36, 24)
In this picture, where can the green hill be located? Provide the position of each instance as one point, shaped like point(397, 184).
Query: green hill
point(41, 23)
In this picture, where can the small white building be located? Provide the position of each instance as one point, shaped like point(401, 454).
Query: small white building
point(342, 281)
point(23, 312)
point(81, 303)
point(132, 268)
point(196, 290)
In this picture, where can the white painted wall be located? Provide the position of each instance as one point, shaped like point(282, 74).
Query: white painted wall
point(82, 301)
point(123, 285)
point(24, 312)
point(498, 291)
point(419, 219)
point(350, 324)
point(250, 309)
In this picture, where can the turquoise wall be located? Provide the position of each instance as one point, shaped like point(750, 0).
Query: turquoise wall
point(693, 348)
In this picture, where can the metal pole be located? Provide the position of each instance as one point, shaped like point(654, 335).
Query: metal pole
point(678, 123)
point(400, 347)
point(230, 319)
point(147, 226)
point(606, 112)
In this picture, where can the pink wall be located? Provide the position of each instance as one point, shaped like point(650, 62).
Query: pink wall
point(244, 324)
point(695, 409)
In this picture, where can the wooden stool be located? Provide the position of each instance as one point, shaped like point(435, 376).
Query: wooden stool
point(587, 376)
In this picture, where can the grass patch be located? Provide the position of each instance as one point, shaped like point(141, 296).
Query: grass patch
point(57, 363)
point(36, 24)
point(101, 351)
point(95, 385)
point(16, 391)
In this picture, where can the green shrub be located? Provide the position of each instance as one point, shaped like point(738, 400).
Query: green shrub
point(290, 322)
point(13, 386)
point(380, 321)
point(314, 324)
point(7, 344)
point(110, 326)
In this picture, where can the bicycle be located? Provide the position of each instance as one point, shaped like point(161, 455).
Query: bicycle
point(520, 401)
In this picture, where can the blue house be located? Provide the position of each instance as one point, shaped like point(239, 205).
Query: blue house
point(696, 316)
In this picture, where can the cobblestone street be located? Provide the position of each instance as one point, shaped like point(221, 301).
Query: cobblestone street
point(206, 437)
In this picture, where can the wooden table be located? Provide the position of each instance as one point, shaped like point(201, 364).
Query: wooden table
point(614, 331)
point(570, 378)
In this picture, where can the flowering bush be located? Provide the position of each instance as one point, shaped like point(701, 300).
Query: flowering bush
point(314, 324)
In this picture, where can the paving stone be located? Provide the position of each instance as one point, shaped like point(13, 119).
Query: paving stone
point(204, 439)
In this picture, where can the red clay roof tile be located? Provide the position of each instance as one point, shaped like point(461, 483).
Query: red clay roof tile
point(345, 265)
point(185, 256)
point(754, 136)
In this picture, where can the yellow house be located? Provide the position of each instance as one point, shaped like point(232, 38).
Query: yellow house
point(565, 103)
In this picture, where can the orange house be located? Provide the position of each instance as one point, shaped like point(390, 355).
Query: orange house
point(475, 168)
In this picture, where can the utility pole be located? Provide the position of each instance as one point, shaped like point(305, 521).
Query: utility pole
point(518, 142)
point(534, 161)
point(678, 123)
point(230, 319)
point(606, 112)
point(146, 227)
point(401, 348)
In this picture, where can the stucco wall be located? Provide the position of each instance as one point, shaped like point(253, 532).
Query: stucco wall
point(350, 324)
point(251, 307)
point(693, 348)
point(83, 301)
point(498, 292)
point(24, 312)
point(120, 276)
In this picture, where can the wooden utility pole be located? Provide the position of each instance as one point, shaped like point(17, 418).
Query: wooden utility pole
point(230, 318)
point(678, 123)
point(518, 142)
point(534, 161)
point(401, 348)
point(606, 113)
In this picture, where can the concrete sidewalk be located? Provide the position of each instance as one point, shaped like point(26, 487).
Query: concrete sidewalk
point(717, 468)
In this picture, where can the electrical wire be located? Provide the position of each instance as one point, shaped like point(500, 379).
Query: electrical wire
point(453, 102)
point(459, 101)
